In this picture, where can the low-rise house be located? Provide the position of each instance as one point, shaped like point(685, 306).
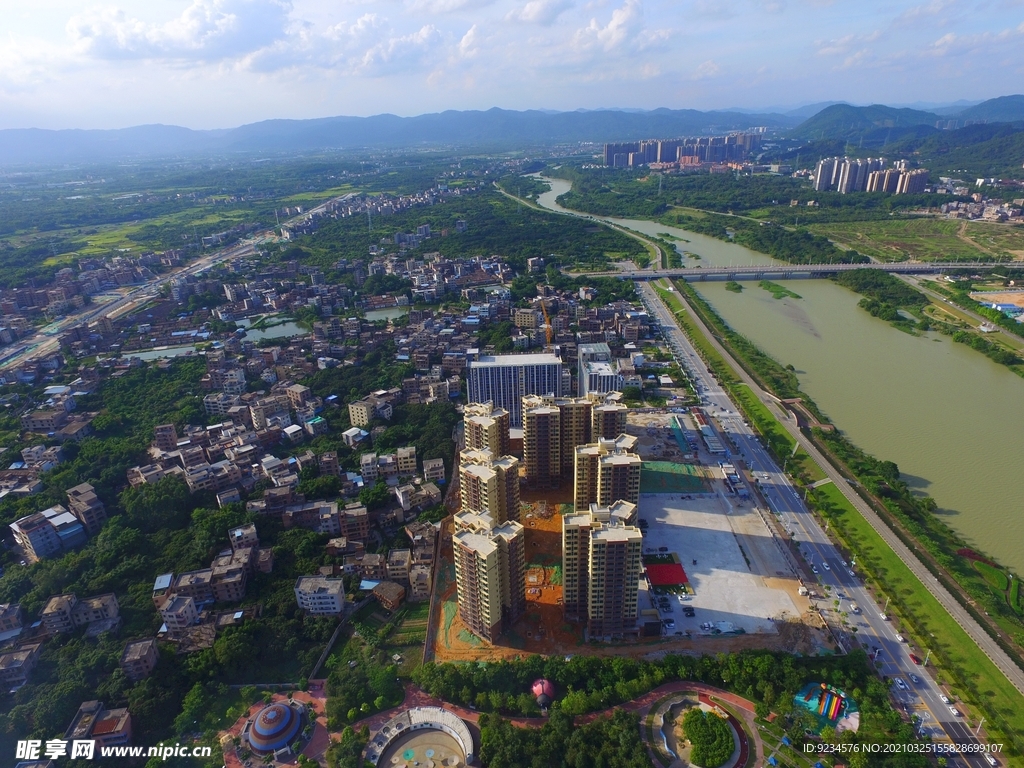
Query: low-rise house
point(139, 658)
point(320, 595)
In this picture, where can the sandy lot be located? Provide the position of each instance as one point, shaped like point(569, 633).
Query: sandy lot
point(740, 577)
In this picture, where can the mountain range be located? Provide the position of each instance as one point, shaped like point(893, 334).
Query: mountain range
point(866, 126)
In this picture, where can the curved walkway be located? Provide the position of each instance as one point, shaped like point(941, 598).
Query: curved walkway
point(641, 706)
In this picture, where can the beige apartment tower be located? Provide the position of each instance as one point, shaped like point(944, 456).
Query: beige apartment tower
point(486, 428)
point(542, 442)
point(490, 575)
point(608, 421)
point(576, 531)
point(489, 485)
point(614, 578)
point(607, 471)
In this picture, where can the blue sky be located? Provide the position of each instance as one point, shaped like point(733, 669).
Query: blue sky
point(221, 63)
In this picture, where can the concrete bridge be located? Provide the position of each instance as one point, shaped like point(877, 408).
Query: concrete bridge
point(794, 271)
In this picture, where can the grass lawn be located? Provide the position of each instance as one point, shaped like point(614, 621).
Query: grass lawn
point(926, 239)
point(972, 675)
point(995, 577)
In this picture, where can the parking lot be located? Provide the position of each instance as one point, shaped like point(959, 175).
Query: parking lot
point(740, 579)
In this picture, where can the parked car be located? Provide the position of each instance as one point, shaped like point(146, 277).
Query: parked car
point(955, 711)
point(915, 659)
point(901, 639)
point(944, 699)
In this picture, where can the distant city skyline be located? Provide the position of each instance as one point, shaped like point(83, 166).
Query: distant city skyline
point(223, 63)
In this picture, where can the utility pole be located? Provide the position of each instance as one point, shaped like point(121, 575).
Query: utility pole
point(978, 729)
point(886, 608)
point(926, 657)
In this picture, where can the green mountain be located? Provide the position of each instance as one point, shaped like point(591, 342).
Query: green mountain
point(866, 126)
point(1005, 109)
point(995, 149)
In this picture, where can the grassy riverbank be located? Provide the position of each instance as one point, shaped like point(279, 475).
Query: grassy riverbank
point(974, 676)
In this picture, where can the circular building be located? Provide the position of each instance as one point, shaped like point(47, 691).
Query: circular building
point(429, 737)
point(544, 692)
point(274, 727)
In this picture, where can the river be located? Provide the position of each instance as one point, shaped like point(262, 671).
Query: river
point(948, 416)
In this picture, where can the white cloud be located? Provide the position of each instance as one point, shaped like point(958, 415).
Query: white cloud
point(469, 45)
point(543, 12)
point(402, 53)
point(207, 30)
point(447, 6)
point(624, 26)
point(708, 69)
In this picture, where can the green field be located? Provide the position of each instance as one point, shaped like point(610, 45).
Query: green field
point(927, 239)
point(995, 577)
point(666, 477)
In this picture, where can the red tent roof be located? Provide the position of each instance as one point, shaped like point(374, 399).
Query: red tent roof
point(666, 574)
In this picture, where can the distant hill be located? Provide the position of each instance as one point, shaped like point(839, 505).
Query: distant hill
point(994, 149)
point(1005, 109)
point(865, 126)
point(494, 128)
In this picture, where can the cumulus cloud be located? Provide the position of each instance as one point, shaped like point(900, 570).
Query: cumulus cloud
point(624, 25)
point(401, 53)
point(207, 30)
point(447, 6)
point(542, 12)
point(708, 69)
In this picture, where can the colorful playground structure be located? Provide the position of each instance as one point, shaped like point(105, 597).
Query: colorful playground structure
point(830, 705)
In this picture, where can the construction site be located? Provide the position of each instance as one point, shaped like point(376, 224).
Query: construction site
point(741, 588)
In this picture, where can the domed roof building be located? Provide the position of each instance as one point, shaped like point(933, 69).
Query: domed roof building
point(274, 727)
point(544, 691)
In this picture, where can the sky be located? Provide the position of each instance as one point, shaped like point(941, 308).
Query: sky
point(222, 63)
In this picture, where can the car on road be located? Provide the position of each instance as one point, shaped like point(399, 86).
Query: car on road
point(814, 569)
point(883, 617)
point(843, 562)
point(914, 679)
point(670, 623)
point(850, 571)
point(765, 477)
point(954, 711)
point(990, 760)
point(826, 566)
point(944, 699)
point(901, 684)
point(901, 639)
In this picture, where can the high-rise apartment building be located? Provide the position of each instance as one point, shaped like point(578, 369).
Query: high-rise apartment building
point(608, 420)
point(912, 182)
point(489, 485)
point(614, 574)
point(607, 471)
point(542, 442)
point(601, 568)
point(486, 428)
point(504, 379)
point(490, 576)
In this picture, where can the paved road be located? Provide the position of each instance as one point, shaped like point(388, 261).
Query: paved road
point(923, 698)
point(789, 271)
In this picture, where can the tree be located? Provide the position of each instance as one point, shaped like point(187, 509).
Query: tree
point(376, 496)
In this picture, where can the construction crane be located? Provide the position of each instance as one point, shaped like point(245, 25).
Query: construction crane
point(547, 321)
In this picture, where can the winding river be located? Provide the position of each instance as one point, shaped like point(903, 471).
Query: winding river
point(948, 416)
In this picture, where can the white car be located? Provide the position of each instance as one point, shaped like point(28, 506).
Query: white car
point(900, 683)
point(883, 617)
point(900, 639)
point(990, 760)
point(944, 699)
point(955, 712)
point(827, 566)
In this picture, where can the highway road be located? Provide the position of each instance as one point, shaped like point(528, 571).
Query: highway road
point(837, 578)
point(43, 344)
point(785, 271)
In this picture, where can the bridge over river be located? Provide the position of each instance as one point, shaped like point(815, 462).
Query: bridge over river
point(793, 271)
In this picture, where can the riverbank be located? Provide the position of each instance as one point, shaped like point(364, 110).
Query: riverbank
point(930, 622)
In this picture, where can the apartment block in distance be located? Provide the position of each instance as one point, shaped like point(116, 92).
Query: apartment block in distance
point(490, 575)
point(504, 379)
point(607, 471)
